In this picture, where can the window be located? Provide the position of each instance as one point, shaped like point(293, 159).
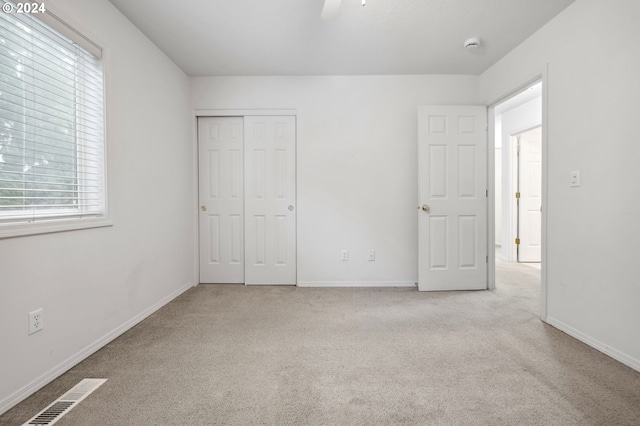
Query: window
point(52, 171)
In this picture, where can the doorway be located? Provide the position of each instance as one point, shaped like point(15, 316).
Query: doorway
point(517, 116)
point(519, 192)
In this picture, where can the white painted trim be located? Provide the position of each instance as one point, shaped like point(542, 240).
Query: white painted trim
point(196, 199)
point(37, 384)
point(242, 112)
point(491, 199)
point(357, 284)
point(12, 230)
point(595, 343)
point(75, 26)
point(544, 258)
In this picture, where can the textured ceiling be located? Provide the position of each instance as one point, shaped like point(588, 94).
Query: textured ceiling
point(288, 37)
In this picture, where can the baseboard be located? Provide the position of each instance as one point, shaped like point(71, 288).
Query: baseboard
point(356, 284)
point(596, 344)
point(60, 369)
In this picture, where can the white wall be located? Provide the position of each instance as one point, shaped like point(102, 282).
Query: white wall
point(94, 284)
point(357, 165)
point(593, 90)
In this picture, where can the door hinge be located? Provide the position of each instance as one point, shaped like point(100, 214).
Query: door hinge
point(486, 193)
point(517, 241)
point(486, 259)
point(517, 195)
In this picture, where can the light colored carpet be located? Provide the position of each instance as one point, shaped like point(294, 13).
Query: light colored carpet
point(235, 355)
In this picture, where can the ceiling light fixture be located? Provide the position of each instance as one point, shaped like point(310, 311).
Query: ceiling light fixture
point(472, 43)
point(330, 9)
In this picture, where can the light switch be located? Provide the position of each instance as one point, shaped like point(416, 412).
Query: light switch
point(575, 178)
point(371, 255)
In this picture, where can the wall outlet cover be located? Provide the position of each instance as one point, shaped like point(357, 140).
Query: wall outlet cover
point(344, 255)
point(575, 178)
point(35, 321)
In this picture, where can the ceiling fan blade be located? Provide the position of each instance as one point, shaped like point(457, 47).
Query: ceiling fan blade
point(330, 9)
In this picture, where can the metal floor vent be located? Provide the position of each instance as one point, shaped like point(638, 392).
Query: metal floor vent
point(66, 402)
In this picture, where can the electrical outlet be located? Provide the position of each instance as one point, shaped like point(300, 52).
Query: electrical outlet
point(574, 178)
point(35, 321)
point(371, 255)
point(344, 255)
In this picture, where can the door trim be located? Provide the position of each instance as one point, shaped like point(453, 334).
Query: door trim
point(243, 112)
point(491, 214)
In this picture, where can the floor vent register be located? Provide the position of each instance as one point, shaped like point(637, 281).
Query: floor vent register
point(66, 402)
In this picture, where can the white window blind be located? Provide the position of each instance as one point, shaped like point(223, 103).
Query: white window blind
point(51, 123)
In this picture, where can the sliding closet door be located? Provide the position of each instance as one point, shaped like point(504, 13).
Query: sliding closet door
point(221, 195)
point(270, 200)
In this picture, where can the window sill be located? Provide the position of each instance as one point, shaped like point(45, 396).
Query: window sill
point(11, 230)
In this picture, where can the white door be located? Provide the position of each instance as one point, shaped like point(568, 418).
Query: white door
point(452, 173)
point(220, 144)
point(270, 200)
point(530, 202)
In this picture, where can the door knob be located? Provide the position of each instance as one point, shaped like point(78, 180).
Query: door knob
point(425, 208)
point(290, 208)
point(203, 208)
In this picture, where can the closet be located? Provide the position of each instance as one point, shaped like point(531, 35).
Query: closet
point(247, 198)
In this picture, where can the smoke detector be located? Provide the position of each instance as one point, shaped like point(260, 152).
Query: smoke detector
point(472, 43)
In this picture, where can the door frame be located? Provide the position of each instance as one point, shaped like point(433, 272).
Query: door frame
point(244, 112)
point(491, 213)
